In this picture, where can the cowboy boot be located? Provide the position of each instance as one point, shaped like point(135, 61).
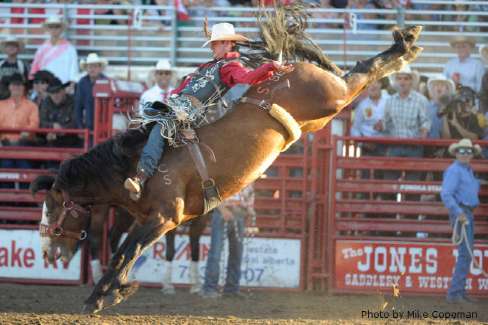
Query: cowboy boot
point(135, 185)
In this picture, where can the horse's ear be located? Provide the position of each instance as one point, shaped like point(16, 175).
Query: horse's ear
point(44, 182)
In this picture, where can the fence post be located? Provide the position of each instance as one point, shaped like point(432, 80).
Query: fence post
point(401, 16)
point(174, 34)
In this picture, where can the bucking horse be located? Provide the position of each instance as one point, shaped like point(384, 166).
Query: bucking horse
point(245, 142)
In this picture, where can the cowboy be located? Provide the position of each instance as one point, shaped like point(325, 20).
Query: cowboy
point(56, 54)
point(440, 91)
point(459, 194)
point(464, 70)
point(84, 101)
point(12, 46)
point(57, 112)
point(189, 102)
point(160, 92)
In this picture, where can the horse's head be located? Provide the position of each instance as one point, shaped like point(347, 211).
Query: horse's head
point(64, 223)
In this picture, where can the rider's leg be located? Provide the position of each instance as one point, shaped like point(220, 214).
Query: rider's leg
point(148, 162)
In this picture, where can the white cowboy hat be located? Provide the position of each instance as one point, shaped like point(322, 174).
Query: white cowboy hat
point(462, 39)
point(484, 52)
point(225, 32)
point(12, 39)
point(93, 58)
point(54, 20)
point(406, 70)
point(163, 65)
point(464, 143)
point(440, 78)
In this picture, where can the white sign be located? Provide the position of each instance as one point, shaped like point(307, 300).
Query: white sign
point(21, 258)
point(267, 262)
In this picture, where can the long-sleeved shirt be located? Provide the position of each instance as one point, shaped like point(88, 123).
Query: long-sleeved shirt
point(367, 114)
point(435, 121)
point(234, 73)
point(85, 103)
point(60, 59)
point(24, 115)
point(404, 117)
point(459, 187)
point(154, 94)
point(470, 71)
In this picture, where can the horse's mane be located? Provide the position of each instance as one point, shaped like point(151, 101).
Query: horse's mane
point(282, 31)
point(104, 163)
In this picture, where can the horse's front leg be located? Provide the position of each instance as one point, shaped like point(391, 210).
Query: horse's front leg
point(115, 279)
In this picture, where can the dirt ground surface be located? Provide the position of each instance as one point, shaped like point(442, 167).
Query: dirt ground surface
point(30, 304)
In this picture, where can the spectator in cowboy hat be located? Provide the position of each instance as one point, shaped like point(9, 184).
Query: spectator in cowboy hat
point(161, 74)
point(440, 91)
point(460, 189)
point(57, 112)
point(12, 46)
point(84, 101)
point(405, 117)
point(17, 112)
point(41, 81)
point(463, 69)
point(56, 55)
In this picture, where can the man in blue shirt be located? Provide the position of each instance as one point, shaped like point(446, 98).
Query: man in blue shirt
point(84, 101)
point(459, 194)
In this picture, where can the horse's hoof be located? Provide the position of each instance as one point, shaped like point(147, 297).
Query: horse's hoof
point(92, 308)
point(168, 290)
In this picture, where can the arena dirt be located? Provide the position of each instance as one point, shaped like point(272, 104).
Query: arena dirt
point(29, 304)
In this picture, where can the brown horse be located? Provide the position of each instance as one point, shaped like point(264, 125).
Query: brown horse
point(245, 143)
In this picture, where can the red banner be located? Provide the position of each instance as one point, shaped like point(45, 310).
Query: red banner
point(414, 267)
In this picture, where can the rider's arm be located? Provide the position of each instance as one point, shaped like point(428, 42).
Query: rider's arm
point(235, 73)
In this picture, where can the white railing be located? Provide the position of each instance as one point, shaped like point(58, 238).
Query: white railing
point(137, 35)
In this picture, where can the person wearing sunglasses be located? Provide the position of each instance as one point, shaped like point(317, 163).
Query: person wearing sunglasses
point(460, 189)
point(162, 75)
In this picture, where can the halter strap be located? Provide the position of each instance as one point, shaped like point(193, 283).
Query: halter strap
point(56, 229)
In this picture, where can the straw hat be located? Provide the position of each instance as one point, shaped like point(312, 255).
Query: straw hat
point(439, 79)
point(484, 52)
point(163, 65)
point(11, 39)
point(54, 20)
point(406, 70)
point(464, 143)
point(93, 58)
point(225, 32)
point(462, 39)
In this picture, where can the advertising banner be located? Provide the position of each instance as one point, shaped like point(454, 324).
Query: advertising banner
point(21, 258)
point(267, 262)
point(414, 267)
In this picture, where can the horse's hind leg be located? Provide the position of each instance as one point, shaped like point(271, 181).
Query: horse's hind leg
point(197, 227)
point(385, 63)
point(168, 287)
point(115, 279)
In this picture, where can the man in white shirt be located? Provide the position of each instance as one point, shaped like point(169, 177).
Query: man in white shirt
point(56, 55)
point(162, 74)
point(464, 69)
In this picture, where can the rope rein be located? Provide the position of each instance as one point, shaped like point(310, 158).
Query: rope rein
point(463, 236)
